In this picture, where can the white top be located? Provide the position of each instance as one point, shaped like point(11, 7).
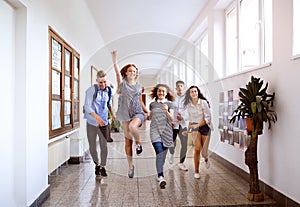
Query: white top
point(179, 108)
point(199, 112)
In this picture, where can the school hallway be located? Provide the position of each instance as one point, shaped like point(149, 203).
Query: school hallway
point(75, 184)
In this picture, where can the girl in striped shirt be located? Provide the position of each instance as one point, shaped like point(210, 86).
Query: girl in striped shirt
point(161, 131)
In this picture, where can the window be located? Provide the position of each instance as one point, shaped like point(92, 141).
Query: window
point(175, 69)
point(231, 41)
point(182, 70)
point(296, 27)
point(201, 73)
point(64, 66)
point(204, 58)
point(248, 34)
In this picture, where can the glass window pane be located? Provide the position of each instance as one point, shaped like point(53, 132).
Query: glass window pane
point(55, 82)
point(249, 33)
point(268, 29)
point(56, 109)
point(76, 90)
point(175, 70)
point(56, 54)
point(182, 71)
point(190, 75)
point(67, 61)
point(76, 67)
point(67, 108)
point(231, 43)
point(67, 119)
point(204, 59)
point(67, 88)
point(296, 27)
point(75, 113)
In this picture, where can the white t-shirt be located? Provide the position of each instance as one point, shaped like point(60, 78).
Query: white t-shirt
point(199, 112)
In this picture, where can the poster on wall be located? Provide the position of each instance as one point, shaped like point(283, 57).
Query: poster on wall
point(235, 133)
point(56, 54)
point(55, 83)
point(56, 122)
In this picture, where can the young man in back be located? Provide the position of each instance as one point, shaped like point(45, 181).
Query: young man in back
point(179, 125)
point(96, 114)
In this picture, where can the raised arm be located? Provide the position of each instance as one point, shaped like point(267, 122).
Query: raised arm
point(116, 67)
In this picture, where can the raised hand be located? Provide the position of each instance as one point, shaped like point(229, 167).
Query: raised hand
point(114, 56)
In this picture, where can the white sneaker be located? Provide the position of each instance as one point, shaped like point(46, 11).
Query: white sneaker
point(207, 164)
point(197, 175)
point(181, 166)
point(171, 160)
point(162, 182)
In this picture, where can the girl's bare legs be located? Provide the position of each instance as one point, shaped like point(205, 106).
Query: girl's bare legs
point(128, 143)
point(205, 142)
point(130, 131)
point(197, 149)
point(133, 129)
point(128, 150)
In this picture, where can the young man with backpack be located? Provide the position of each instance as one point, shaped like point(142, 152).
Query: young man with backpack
point(97, 102)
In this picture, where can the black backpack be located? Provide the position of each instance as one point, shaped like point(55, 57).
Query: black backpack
point(95, 95)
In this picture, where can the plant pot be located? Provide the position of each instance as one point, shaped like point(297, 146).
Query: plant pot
point(255, 197)
point(249, 126)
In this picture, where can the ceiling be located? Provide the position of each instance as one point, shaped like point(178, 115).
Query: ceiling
point(144, 32)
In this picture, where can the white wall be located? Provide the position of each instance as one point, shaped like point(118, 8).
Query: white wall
point(7, 22)
point(25, 85)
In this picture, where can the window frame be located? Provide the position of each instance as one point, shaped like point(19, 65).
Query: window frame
point(296, 31)
point(65, 94)
point(262, 57)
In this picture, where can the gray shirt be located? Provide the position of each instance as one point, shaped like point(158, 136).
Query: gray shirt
point(161, 127)
point(129, 104)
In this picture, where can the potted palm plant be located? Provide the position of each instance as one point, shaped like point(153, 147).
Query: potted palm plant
point(256, 105)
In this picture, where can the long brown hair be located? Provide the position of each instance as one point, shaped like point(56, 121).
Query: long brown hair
point(170, 94)
point(125, 68)
point(188, 98)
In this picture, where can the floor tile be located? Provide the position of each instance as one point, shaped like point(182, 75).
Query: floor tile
point(75, 185)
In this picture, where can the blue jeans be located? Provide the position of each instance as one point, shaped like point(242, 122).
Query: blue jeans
point(161, 153)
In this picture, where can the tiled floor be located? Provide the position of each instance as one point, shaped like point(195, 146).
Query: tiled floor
point(76, 185)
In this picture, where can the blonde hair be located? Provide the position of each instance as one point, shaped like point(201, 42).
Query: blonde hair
point(101, 74)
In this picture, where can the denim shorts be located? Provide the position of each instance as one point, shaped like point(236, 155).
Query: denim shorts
point(204, 130)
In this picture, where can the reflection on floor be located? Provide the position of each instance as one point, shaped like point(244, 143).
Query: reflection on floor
point(76, 185)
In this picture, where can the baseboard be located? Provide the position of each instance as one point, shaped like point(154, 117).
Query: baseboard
point(281, 200)
point(42, 198)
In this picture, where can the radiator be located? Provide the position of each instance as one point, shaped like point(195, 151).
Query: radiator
point(58, 153)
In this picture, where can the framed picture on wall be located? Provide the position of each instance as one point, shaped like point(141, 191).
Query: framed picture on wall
point(93, 74)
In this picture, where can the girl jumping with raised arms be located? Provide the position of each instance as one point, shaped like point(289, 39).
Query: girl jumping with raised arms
point(131, 109)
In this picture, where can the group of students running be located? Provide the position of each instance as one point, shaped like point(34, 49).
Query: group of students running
point(168, 114)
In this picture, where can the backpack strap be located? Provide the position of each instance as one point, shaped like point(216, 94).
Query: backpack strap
point(96, 92)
